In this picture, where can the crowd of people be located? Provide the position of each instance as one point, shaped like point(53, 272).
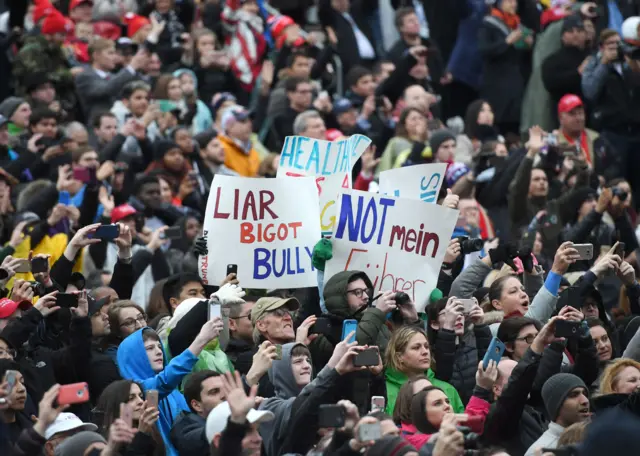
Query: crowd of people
point(115, 117)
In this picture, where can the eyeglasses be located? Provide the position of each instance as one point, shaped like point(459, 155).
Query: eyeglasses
point(528, 339)
point(358, 292)
point(7, 352)
point(240, 317)
point(131, 322)
point(280, 312)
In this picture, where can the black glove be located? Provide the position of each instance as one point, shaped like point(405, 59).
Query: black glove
point(200, 246)
point(527, 261)
point(504, 254)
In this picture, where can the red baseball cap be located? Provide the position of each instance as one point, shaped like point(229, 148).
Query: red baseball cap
point(75, 3)
point(569, 102)
point(8, 307)
point(122, 211)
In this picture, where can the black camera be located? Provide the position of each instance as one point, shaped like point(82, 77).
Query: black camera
point(471, 441)
point(470, 245)
point(402, 299)
point(621, 194)
point(38, 288)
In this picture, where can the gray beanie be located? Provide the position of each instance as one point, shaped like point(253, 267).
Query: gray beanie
point(9, 106)
point(556, 389)
point(438, 137)
point(78, 443)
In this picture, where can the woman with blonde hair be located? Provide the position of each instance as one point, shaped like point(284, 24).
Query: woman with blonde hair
point(619, 386)
point(408, 354)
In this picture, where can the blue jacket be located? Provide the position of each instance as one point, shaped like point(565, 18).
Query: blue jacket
point(134, 365)
point(465, 63)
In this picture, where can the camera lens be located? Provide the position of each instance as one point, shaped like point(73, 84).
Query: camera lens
point(471, 245)
point(402, 298)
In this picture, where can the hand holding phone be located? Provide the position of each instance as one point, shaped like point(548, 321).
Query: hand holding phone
point(494, 352)
point(215, 310)
point(39, 265)
point(107, 232)
point(349, 326)
point(75, 393)
point(152, 398)
point(331, 416)
point(126, 414)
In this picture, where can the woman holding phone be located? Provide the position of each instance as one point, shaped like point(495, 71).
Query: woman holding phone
point(143, 410)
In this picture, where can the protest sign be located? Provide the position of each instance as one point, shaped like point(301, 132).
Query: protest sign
point(330, 163)
point(265, 227)
point(421, 182)
point(399, 243)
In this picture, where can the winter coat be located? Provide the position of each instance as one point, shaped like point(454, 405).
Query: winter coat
point(243, 160)
point(202, 121)
point(188, 435)
point(465, 63)
point(394, 148)
point(295, 425)
point(560, 72)
point(461, 373)
point(511, 423)
point(502, 79)
point(134, 365)
point(395, 380)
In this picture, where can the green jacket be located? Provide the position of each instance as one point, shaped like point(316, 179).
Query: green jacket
point(396, 379)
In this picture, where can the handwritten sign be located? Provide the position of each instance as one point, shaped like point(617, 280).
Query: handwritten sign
point(420, 182)
point(329, 162)
point(400, 243)
point(267, 227)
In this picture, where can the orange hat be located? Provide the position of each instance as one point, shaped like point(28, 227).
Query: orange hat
point(41, 11)
point(134, 23)
point(55, 23)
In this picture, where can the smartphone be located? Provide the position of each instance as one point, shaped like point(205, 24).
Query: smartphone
point(107, 232)
point(39, 265)
point(64, 198)
point(494, 352)
point(23, 266)
point(175, 232)
point(126, 414)
point(347, 327)
point(82, 174)
point(278, 351)
point(468, 305)
point(377, 403)
point(620, 248)
point(322, 326)
point(215, 310)
point(232, 269)
point(331, 416)
point(567, 329)
point(67, 300)
point(75, 393)
point(368, 357)
point(585, 251)
point(152, 398)
point(369, 431)
point(11, 378)
point(572, 297)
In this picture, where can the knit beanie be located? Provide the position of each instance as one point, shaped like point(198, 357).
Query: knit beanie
point(9, 106)
point(556, 389)
point(78, 443)
point(41, 11)
point(322, 252)
point(54, 23)
point(390, 446)
point(162, 147)
point(438, 137)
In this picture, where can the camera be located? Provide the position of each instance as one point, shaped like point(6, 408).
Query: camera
point(621, 194)
point(470, 245)
point(402, 299)
point(471, 441)
point(38, 288)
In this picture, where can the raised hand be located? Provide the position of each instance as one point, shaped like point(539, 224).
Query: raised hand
point(565, 256)
point(82, 310)
point(453, 311)
point(81, 240)
point(47, 410)
point(345, 365)
point(485, 378)
point(302, 334)
point(47, 304)
point(387, 302)
point(451, 200)
point(148, 419)
point(229, 294)
point(22, 291)
point(239, 402)
point(262, 362)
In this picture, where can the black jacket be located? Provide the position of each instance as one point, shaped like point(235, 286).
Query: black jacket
point(615, 109)
point(560, 72)
point(511, 423)
point(188, 435)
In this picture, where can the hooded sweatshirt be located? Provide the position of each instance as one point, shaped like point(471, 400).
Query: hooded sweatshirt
point(202, 120)
point(281, 375)
point(133, 363)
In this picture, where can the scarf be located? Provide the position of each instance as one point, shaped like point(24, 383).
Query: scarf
point(584, 145)
point(511, 20)
point(173, 28)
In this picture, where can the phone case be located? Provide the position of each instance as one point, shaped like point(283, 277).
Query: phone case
point(215, 310)
point(24, 267)
point(585, 251)
point(67, 300)
point(567, 329)
point(232, 269)
point(278, 351)
point(75, 393)
point(152, 398)
point(126, 414)
point(369, 431)
point(494, 352)
point(468, 304)
point(347, 327)
point(377, 403)
point(39, 265)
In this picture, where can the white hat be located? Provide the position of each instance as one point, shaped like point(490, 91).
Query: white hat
point(219, 416)
point(631, 30)
point(68, 422)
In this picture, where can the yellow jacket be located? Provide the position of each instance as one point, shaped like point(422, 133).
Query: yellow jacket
point(243, 163)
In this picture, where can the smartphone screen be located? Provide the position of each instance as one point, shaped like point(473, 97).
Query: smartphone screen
point(107, 232)
point(215, 310)
point(174, 232)
point(67, 300)
point(64, 198)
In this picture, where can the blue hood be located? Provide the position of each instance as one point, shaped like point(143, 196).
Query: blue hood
point(133, 361)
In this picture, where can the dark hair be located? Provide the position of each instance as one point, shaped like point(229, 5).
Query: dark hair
point(129, 89)
point(419, 411)
point(433, 311)
point(401, 13)
point(161, 88)
point(77, 154)
point(377, 67)
point(156, 305)
point(193, 386)
point(8, 364)
point(402, 406)
point(142, 181)
point(605, 35)
point(615, 181)
point(150, 334)
point(355, 74)
point(174, 285)
point(40, 114)
point(300, 350)
point(510, 328)
point(471, 118)
point(97, 119)
point(294, 56)
point(401, 129)
point(291, 84)
point(495, 290)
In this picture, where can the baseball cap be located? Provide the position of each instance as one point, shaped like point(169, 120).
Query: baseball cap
point(233, 113)
point(68, 422)
point(75, 3)
point(264, 305)
point(219, 416)
point(122, 211)
point(96, 304)
point(8, 307)
point(220, 99)
point(569, 102)
point(630, 31)
point(572, 22)
point(3, 120)
point(341, 106)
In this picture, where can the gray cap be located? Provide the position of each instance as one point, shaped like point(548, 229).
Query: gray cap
point(556, 389)
point(78, 443)
point(9, 106)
